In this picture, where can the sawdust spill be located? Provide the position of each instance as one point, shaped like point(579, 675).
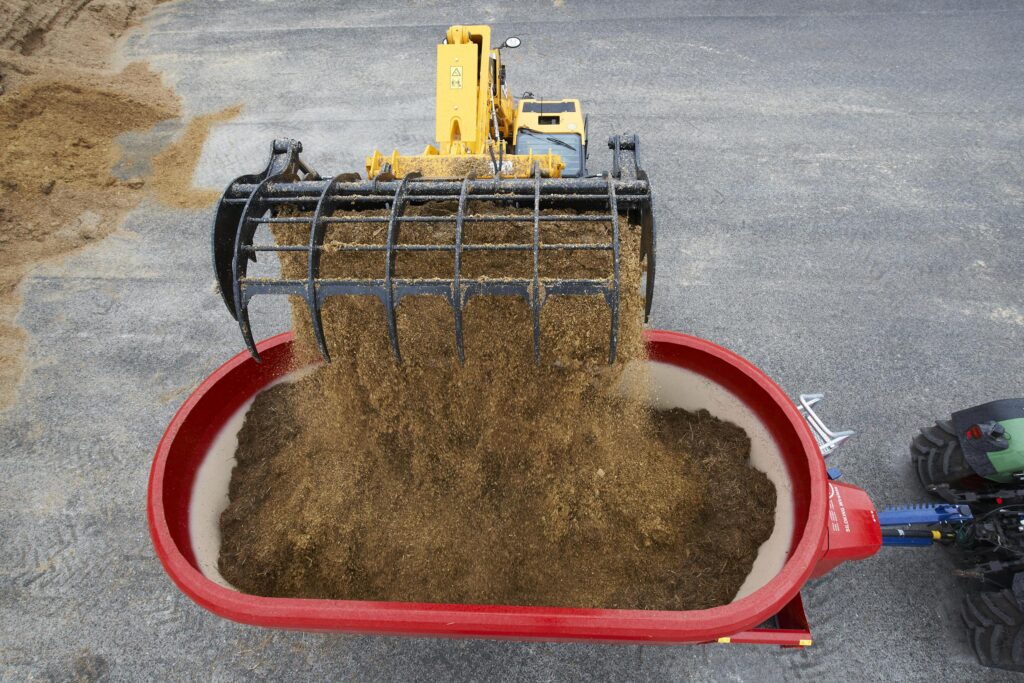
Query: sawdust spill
point(499, 481)
point(174, 167)
point(61, 109)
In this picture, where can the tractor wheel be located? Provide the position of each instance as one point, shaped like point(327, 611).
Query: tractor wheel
point(937, 455)
point(995, 623)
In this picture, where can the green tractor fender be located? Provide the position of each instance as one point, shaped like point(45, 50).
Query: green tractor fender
point(991, 436)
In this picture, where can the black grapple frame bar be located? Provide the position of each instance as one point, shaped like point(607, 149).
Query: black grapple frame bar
point(256, 199)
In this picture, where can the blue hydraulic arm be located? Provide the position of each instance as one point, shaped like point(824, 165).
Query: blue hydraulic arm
point(906, 525)
point(921, 525)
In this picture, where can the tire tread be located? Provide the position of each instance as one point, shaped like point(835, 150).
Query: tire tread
point(937, 455)
point(995, 624)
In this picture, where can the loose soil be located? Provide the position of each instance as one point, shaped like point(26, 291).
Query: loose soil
point(62, 107)
point(499, 481)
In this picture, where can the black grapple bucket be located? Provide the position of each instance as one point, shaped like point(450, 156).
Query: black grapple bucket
point(574, 224)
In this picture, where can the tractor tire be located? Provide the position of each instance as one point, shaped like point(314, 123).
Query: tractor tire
point(995, 623)
point(937, 455)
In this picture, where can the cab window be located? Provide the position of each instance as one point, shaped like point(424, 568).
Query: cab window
point(566, 145)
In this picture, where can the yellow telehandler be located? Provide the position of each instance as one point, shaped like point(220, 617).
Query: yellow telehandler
point(528, 154)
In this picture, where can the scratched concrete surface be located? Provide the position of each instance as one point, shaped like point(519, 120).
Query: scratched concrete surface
point(840, 200)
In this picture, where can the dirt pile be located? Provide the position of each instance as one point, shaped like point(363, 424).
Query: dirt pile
point(61, 110)
point(57, 148)
point(496, 481)
point(68, 31)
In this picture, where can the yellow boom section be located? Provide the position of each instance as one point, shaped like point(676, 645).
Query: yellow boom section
point(463, 90)
point(474, 119)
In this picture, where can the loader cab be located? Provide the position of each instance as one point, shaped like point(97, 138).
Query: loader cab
point(556, 126)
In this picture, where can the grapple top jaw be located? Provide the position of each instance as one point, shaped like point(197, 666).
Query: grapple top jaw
point(229, 230)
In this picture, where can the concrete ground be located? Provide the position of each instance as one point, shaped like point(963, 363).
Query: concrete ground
point(840, 201)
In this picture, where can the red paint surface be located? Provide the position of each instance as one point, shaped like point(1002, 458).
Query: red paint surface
point(853, 530)
point(193, 428)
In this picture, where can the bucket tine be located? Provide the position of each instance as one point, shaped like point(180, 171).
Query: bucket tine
point(460, 218)
point(535, 298)
point(629, 146)
point(389, 265)
point(225, 230)
point(243, 324)
point(254, 209)
point(648, 238)
point(317, 232)
point(614, 295)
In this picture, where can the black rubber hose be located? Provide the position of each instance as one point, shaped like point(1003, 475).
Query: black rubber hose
point(907, 533)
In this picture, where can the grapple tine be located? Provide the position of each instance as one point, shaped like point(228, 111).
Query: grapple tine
point(536, 300)
point(317, 232)
point(645, 210)
point(460, 218)
point(246, 328)
point(614, 294)
point(389, 266)
point(231, 256)
point(225, 229)
point(254, 208)
point(649, 235)
point(616, 143)
point(318, 324)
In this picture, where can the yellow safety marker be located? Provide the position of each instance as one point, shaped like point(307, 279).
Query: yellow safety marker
point(806, 643)
point(725, 639)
